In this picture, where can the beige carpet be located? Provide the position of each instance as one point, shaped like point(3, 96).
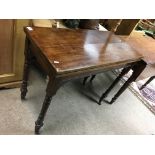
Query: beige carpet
point(73, 110)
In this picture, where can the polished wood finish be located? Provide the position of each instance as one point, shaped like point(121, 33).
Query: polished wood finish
point(69, 54)
point(11, 55)
point(145, 45)
point(76, 50)
point(113, 30)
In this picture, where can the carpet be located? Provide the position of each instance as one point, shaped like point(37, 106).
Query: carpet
point(146, 95)
point(73, 110)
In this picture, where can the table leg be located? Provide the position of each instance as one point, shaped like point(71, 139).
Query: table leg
point(85, 80)
point(39, 123)
point(52, 87)
point(105, 94)
point(92, 78)
point(26, 70)
point(137, 70)
point(147, 82)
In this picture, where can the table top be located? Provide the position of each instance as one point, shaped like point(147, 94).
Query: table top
point(144, 44)
point(70, 50)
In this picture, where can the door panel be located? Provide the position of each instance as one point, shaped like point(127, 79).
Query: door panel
point(12, 40)
point(6, 46)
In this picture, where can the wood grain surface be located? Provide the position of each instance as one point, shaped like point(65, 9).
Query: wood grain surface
point(74, 50)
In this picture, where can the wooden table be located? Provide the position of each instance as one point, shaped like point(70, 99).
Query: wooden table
point(68, 54)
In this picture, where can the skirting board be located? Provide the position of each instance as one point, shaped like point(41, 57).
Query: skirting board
point(15, 84)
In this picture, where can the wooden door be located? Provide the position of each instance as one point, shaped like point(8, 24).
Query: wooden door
point(11, 51)
point(6, 46)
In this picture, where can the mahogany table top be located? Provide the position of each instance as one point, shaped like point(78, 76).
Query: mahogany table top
point(144, 44)
point(73, 50)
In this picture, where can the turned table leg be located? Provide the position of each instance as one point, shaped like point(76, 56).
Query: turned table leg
point(85, 80)
point(26, 70)
point(92, 78)
point(39, 123)
point(52, 87)
point(137, 70)
point(105, 94)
